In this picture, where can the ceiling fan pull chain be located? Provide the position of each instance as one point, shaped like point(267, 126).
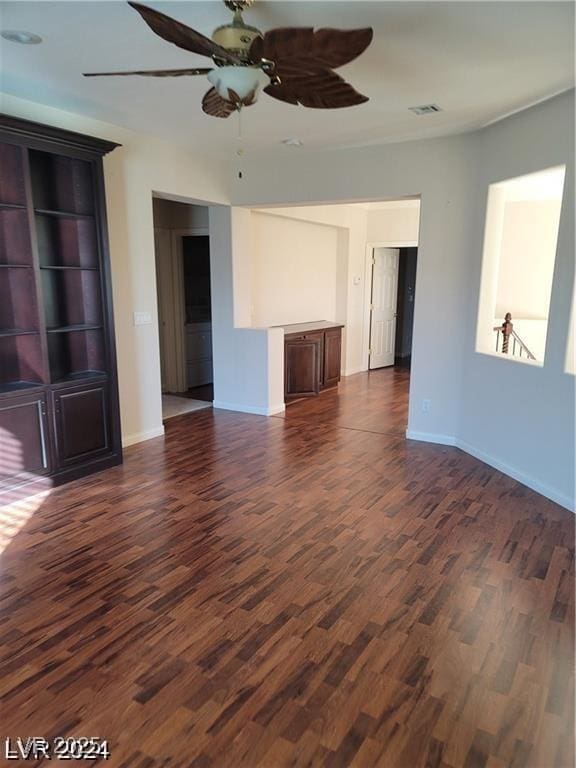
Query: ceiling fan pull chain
point(239, 136)
point(240, 150)
point(240, 156)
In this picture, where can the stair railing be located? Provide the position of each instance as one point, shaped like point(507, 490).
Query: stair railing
point(508, 341)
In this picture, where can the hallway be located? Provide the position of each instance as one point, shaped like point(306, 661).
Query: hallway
point(307, 590)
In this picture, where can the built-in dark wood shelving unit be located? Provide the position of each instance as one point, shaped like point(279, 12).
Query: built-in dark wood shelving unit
point(16, 332)
point(54, 266)
point(57, 356)
point(64, 214)
point(14, 386)
point(70, 328)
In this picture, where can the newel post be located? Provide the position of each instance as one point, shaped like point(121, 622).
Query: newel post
point(507, 328)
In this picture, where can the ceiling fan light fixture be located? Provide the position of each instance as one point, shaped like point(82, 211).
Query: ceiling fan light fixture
point(293, 142)
point(236, 38)
point(296, 64)
point(243, 82)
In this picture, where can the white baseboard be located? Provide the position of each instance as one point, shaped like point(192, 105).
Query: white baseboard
point(253, 409)
point(515, 474)
point(430, 437)
point(140, 437)
point(521, 477)
point(352, 371)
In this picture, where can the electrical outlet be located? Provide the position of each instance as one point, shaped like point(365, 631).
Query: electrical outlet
point(426, 406)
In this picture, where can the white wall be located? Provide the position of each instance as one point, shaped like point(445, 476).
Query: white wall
point(528, 250)
point(520, 239)
point(535, 442)
point(533, 437)
point(141, 166)
point(395, 223)
point(248, 363)
point(570, 366)
point(348, 223)
point(451, 175)
point(294, 270)
point(441, 172)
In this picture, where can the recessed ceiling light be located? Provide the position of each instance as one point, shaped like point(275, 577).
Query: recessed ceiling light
point(425, 109)
point(19, 36)
point(293, 142)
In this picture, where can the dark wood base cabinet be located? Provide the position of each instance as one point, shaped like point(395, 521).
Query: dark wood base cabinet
point(312, 359)
point(59, 416)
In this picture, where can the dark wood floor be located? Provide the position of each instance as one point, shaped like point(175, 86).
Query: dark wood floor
point(372, 402)
point(306, 591)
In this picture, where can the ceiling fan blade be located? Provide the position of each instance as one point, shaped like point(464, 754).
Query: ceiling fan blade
point(322, 90)
point(302, 48)
point(336, 47)
point(281, 93)
point(154, 72)
point(281, 43)
point(213, 104)
point(184, 37)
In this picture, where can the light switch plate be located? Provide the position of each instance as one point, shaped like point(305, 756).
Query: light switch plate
point(142, 318)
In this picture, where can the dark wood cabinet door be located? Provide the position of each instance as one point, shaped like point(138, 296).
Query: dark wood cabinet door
point(302, 366)
point(332, 357)
point(81, 423)
point(23, 445)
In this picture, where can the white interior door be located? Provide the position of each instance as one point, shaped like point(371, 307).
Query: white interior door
point(383, 306)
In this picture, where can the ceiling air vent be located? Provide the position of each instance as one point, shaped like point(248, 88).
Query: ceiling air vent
point(425, 109)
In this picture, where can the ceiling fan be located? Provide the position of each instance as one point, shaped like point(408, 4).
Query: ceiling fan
point(295, 64)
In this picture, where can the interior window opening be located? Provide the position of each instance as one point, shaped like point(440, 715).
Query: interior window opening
point(520, 239)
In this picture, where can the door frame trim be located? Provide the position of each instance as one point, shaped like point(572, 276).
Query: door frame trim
point(368, 288)
point(178, 236)
point(178, 308)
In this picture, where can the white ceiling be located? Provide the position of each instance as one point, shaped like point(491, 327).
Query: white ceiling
point(477, 60)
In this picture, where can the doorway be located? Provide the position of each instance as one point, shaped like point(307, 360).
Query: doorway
point(195, 251)
point(182, 250)
point(392, 295)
